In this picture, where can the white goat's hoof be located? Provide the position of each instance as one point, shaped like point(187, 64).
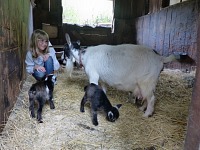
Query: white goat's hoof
point(146, 114)
point(142, 108)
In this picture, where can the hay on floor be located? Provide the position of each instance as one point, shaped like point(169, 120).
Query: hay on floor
point(66, 128)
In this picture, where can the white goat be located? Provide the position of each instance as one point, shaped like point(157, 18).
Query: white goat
point(127, 67)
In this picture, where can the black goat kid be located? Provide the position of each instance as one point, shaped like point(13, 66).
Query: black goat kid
point(40, 92)
point(98, 99)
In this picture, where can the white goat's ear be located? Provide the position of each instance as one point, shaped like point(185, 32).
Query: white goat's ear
point(118, 106)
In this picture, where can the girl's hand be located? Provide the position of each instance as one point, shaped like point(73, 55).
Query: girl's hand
point(45, 57)
point(40, 68)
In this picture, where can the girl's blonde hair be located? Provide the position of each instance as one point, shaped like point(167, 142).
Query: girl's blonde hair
point(36, 35)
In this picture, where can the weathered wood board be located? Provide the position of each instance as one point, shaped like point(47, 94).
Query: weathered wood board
point(173, 29)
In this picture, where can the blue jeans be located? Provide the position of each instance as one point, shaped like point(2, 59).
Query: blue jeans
point(49, 66)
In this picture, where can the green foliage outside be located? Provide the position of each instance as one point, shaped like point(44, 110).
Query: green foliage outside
point(75, 14)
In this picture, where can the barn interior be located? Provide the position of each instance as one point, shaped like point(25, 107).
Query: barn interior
point(166, 26)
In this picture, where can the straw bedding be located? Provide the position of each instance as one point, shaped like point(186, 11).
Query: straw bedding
point(66, 128)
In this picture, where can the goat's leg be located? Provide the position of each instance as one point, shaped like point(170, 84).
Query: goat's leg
point(93, 76)
point(150, 106)
point(94, 117)
point(144, 106)
point(83, 101)
point(31, 107)
point(39, 112)
point(51, 103)
point(131, 97)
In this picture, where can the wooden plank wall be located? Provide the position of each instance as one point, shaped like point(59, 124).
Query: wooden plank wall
point(88, 35)
point(192, 141)
point(49, 12)
point(173, 29)
point(13, 44)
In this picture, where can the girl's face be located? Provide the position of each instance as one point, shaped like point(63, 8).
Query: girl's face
point(42, 44)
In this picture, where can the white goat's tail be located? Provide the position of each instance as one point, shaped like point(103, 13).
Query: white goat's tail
point(69, 67)
point(170, 58)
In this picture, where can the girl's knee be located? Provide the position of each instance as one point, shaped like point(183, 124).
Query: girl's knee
point(49, 66)
point(39, 75)
point(49, 60)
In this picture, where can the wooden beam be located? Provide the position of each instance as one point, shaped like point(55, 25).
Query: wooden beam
point(57, 46)
point(155, 5)
point(192, 141)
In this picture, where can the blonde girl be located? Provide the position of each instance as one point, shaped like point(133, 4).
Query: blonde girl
point(40, 59)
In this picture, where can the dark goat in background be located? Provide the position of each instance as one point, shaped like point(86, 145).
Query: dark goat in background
point(98, 99)
point(40, 92)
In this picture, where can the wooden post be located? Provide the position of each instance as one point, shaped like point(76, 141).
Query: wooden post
point(192, 141)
